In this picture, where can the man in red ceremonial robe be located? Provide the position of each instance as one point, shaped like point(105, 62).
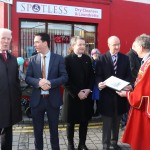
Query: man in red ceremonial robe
point(137, 132)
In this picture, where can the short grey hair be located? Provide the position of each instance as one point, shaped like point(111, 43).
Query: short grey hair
point(5, 30)
point(143, 40)
point(74, 39)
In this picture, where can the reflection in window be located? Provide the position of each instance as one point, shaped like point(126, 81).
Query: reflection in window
point(88, 32)
point(28, 30)
point(60, 35)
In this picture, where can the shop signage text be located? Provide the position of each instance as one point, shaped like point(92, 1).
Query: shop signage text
point(62, 39)
point(61, 10)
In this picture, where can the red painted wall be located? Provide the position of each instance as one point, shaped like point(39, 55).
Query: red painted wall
point(122, 18)
point(128, 20)
point(3, 15)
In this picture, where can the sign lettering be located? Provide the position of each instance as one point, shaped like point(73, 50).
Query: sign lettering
point(61, 10)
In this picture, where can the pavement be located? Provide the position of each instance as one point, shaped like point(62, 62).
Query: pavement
point(23, 138)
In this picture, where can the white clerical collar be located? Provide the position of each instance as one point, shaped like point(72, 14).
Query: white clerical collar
point(79, 55)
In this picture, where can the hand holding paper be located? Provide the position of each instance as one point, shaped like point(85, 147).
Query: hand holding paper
point(101, 85)
point(128, 88)
point(122, 93)
point(116, 83)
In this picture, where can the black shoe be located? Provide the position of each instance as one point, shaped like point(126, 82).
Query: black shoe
point(71, 147)
point(82, 147)
point(116, 147)
point(106, 147)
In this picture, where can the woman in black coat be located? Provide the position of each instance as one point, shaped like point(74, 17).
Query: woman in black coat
point(77, 106)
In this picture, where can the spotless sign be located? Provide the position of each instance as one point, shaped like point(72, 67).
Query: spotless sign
point(61, 10)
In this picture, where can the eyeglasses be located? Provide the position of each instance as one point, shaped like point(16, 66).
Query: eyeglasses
point(114, 45)
point(81, 44)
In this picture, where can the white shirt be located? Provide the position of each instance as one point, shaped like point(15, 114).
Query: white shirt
point(47, 60)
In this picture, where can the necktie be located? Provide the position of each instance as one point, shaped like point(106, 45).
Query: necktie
point(115, 63)
point(4, 55)
point(43, 67)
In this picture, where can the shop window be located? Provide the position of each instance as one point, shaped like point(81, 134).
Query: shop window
point(88, 32)
point(60, 34)
point(28, 29)
point(60, 37)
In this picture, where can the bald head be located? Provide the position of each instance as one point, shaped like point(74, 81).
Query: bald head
point(112, 39)
point(114, 44)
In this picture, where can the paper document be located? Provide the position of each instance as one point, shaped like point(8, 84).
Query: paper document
point(116, 83)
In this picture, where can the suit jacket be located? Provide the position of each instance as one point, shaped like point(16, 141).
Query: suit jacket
point(81, 77)
point(10, 92)
point(135, 64)
point(109, 98)
point(57, 75)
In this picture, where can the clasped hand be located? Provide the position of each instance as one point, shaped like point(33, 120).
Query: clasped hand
point(83, 94)
point(44, 84)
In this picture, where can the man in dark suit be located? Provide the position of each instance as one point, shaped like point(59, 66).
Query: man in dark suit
point(46, 97)
point(111, 105)
point(135, 62)
point(10, 91)
point(78, 106)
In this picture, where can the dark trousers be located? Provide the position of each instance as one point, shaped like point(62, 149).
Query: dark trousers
point(110, 130)
point(6, 138)
point(38, 124)
point(82, 132)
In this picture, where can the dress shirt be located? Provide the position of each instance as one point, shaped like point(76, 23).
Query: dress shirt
point(145, 58)
point(112, 56)
point(47, 60)
point(4, 53)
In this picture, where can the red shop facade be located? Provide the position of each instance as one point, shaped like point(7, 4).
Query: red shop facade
point(95, 20)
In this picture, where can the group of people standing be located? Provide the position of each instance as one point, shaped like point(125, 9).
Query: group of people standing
point(83, 79)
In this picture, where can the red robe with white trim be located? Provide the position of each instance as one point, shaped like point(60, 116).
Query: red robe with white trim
point(137, 132)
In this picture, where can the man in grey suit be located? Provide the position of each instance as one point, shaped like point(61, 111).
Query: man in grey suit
point(111, 105)
point(46, 72)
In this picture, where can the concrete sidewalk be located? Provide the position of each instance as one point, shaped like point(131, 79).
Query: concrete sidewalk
point(23, 138)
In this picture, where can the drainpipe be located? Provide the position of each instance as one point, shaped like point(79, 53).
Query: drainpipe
point(9, 16)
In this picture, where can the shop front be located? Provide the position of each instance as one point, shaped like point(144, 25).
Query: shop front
point(61, 20)
point(95, 20)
